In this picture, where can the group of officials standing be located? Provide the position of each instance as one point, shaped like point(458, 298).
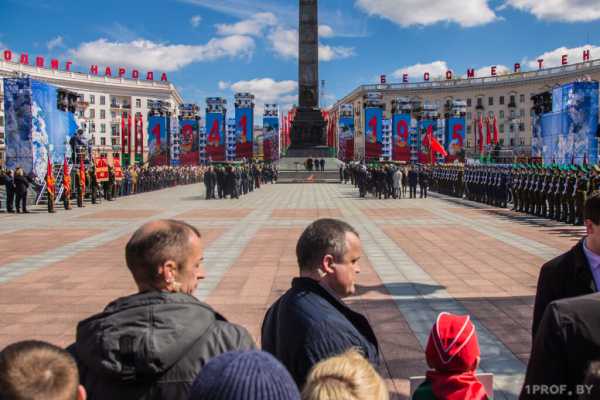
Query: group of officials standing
point(555, 192)
point(387, 181)
point(221, 181)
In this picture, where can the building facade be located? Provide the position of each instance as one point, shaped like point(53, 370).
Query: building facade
point(506, 97)
point(104, 102)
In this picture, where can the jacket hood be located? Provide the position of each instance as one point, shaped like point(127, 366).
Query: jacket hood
point(143, 334)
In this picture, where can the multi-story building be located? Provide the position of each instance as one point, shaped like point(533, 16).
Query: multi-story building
point(104, 101)
point(506, 97)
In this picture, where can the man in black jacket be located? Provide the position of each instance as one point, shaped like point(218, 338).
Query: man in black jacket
point(310, 322)
point(413, 178)
point(9, 185)
point(151, 345)
point(568, 339)
point(571, 274)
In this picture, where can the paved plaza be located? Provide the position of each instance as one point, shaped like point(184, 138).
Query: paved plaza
point(421, 257)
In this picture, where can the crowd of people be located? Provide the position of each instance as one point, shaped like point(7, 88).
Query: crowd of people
point(234, 181)
point(387, 181)
point(164, 343)
point(554, 192)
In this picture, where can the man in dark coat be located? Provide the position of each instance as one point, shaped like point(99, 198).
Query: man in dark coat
point(209, 183)
point(571, 274)
point(9, 185)
point(310, 322)
point(221, 182)
point(21, 183)
point(153, 344)
point(413, 179)
point(568, 339)
point(423, 183)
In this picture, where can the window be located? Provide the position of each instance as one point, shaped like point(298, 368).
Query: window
point(1, 120)
point(490, 101)
point(501, 114)
point(102, 141)
point(113, 114)
point(512, 141)
point(491, 114)
point(138, 103)
point(501, 128)
point(113, 141)
point(92, 99)
point(521, 112)
point(468, 102)
point(512, 99)
point(469, 115)
point(501, 141)
point(522, 98)
point(102, 128)
point(92, 113)
point(102, 100)
point(468, 130)
point(114, 130)
point(480, 102)
point(522, 127)
point(511, 128)
point(522, 141)
point(501, 100)
point(102, 114)
point(92, 127)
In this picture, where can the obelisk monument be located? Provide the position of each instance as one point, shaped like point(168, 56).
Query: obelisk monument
point(308, 128)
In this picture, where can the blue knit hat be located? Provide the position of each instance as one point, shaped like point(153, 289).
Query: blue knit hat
point(244, 375)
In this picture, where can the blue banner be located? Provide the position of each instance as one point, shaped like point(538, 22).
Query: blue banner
point(244, 132)
point(455, 135)
point(401, 137)
point(35, 126)
point(215, 136)
point(271, 138)
point(158, 141)
point(189, 142)
point(373, 132)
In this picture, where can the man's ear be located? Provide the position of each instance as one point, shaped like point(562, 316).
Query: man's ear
point(81, 393)
point(167, 272)
point(327, 264)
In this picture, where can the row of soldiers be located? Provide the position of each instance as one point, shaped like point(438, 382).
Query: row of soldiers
point(236, 180)
point(556, 192)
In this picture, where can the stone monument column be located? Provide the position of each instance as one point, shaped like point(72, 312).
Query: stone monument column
point(308, 128)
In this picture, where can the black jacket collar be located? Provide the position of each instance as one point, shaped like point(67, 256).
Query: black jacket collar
point(582, 268)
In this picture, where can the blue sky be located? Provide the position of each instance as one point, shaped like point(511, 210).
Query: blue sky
point(217, 47)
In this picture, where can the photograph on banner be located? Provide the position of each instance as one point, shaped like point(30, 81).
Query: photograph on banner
point(189, 142)
point(270, 138)
point(244, 132)
point(455, 137)
point(400, 137)
point(215, 141)
point(35, 126)
point(373, 133)
point(158, 142)
point(346, 138)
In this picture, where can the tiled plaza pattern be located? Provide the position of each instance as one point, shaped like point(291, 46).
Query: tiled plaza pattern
point(420, 257)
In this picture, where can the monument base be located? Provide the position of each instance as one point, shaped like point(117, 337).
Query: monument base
point(308, 129)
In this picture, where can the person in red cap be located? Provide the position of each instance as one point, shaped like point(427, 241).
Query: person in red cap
point(453, 353)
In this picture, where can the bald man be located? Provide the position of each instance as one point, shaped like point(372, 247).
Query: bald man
point(152, 344)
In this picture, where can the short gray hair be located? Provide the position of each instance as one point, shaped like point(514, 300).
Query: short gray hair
point(322, 237)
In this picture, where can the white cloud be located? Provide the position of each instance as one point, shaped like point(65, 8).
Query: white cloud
point(55, 42)
point(266, 91)
point(285, 43)
point(416, 71)
point(253, 26)
point(325, 31)
point(165, 57)
point(487, 71)
point(559, 10)
point(195, 20)
point(553, 58)
point(466, 13)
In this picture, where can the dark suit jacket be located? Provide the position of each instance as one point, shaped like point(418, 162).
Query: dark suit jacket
point(308, 324)
point(568, 339)
point(568, 275)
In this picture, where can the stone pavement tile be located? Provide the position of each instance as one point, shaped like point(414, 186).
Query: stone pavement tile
point(305, 213)
point(559, 235)
point(398, 212)
point(24, 243)
point(215, 213)
point(83, 284)
point(120, 214)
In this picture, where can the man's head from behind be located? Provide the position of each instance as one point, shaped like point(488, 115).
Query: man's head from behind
point(591, 218)
point(328, 251)
point(32, 370)
point(166, 255)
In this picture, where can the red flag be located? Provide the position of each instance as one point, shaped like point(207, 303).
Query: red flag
point(66, 178)
point(495, 130)
point(50, 182)
point(82, 174)
point(141, 136)
point(488, 131)
point(128, 134)
point(433, 144)
point(480, 126)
